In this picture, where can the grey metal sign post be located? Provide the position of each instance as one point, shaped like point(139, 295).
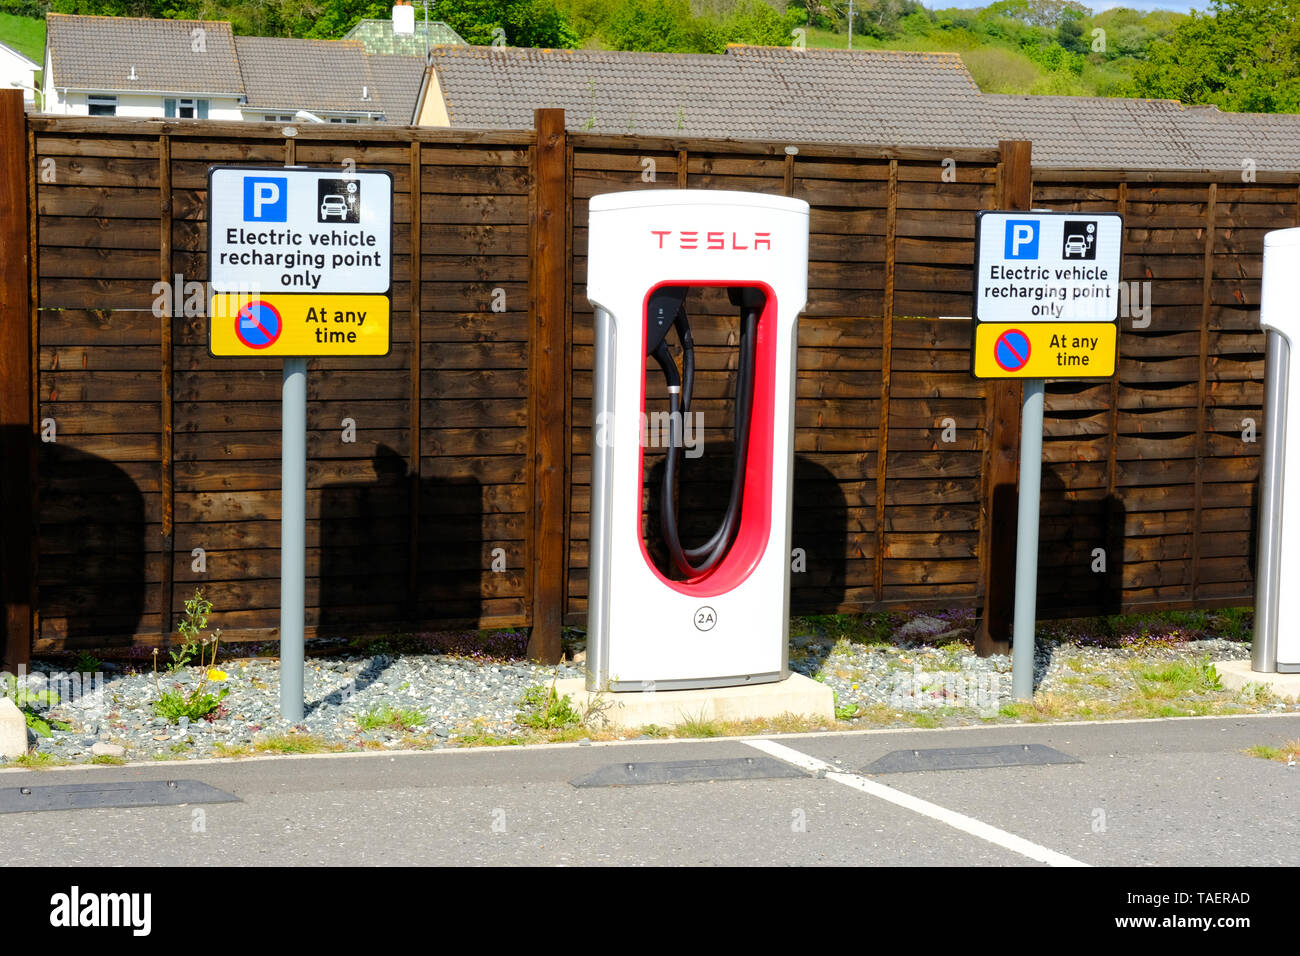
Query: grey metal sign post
point(1031, 474)
point(293, 536)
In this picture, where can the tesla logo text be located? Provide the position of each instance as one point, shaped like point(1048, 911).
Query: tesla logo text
point(696, 239)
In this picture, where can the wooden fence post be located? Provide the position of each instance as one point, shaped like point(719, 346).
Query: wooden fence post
point(17, 441)
point(549, 295)
point(1002, 453)
point(413, 579)
point(167, 456)
point(886, 365)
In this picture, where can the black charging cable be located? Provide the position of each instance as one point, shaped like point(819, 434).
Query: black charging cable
point(668, 310)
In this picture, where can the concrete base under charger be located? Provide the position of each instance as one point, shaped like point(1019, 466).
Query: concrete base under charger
point(665, 708)
point(1234, 675)
point(13, 730)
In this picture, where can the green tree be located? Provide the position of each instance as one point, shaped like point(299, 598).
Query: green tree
point(533, 23)
point(657, 25)
point(110, 8)
point(756, 23)
point(1069, 34)
point(1243, 56)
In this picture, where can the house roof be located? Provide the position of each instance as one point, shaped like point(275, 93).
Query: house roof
point(747, 93)
point(20, 56)
point(1227, 140)
point(877, 97)
point(377, 36)
point(1133, 133)
point(1091, 130)
point(271, 73)
point(276, 72)
point(398, 79)
point(101, 53)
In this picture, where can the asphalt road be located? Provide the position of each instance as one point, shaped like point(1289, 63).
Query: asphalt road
point(1168, 792)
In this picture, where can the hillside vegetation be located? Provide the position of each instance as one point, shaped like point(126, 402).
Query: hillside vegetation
point(1241, 55)
point(24, 34)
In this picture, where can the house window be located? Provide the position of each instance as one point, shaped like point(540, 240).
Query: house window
point(186, 108)
point(344, 119)
point(102, 105)
point(278, 118)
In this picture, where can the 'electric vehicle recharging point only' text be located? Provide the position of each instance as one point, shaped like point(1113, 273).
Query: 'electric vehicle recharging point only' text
point(716, 614)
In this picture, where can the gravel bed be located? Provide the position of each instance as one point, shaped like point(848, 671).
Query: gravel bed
point(454, 696)
point(945, 675)
point(925, 671)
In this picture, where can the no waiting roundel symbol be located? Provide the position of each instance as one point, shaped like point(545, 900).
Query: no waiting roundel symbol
point(258, 325)
point(1011, 350)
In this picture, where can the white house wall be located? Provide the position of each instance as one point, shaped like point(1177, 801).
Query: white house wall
point(14, 67)
point(138, 105)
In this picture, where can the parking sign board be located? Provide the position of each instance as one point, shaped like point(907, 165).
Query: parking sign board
point(1046, 294)
point(300, 261)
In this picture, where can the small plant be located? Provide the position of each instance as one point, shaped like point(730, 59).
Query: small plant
point(222, 749)
point(698, 726)
point(38, 761)
point(545, 709)
point(28, 700)
point(1253, 693)
point(292, 744)
point(195, 703)
point(595, 714)
point(86, 663)
point(1288, 753)
point(1178, 678)
point(391, 717)
point(1234, 623)
point(843, 711)
point(44, 725)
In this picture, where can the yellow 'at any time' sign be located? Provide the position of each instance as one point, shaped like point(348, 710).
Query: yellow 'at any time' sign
point(1044, 350)
point(298, 325)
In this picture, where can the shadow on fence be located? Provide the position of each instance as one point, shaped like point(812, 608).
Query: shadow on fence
point(94, 569)
point(365, 549)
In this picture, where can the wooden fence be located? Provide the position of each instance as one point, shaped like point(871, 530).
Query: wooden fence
point(463, 499)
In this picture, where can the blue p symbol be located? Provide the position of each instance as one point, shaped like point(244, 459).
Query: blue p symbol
point(1021, 239)
point(266, 199)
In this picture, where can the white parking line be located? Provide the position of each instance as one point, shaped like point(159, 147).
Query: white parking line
point(959, 821)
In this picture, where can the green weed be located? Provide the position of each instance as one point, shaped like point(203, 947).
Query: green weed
point(391, 717)
point(542, 708)
point(292, 744)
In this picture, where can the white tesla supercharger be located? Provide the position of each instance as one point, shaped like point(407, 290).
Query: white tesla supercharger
point(713, 612)
point(1277, 599)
